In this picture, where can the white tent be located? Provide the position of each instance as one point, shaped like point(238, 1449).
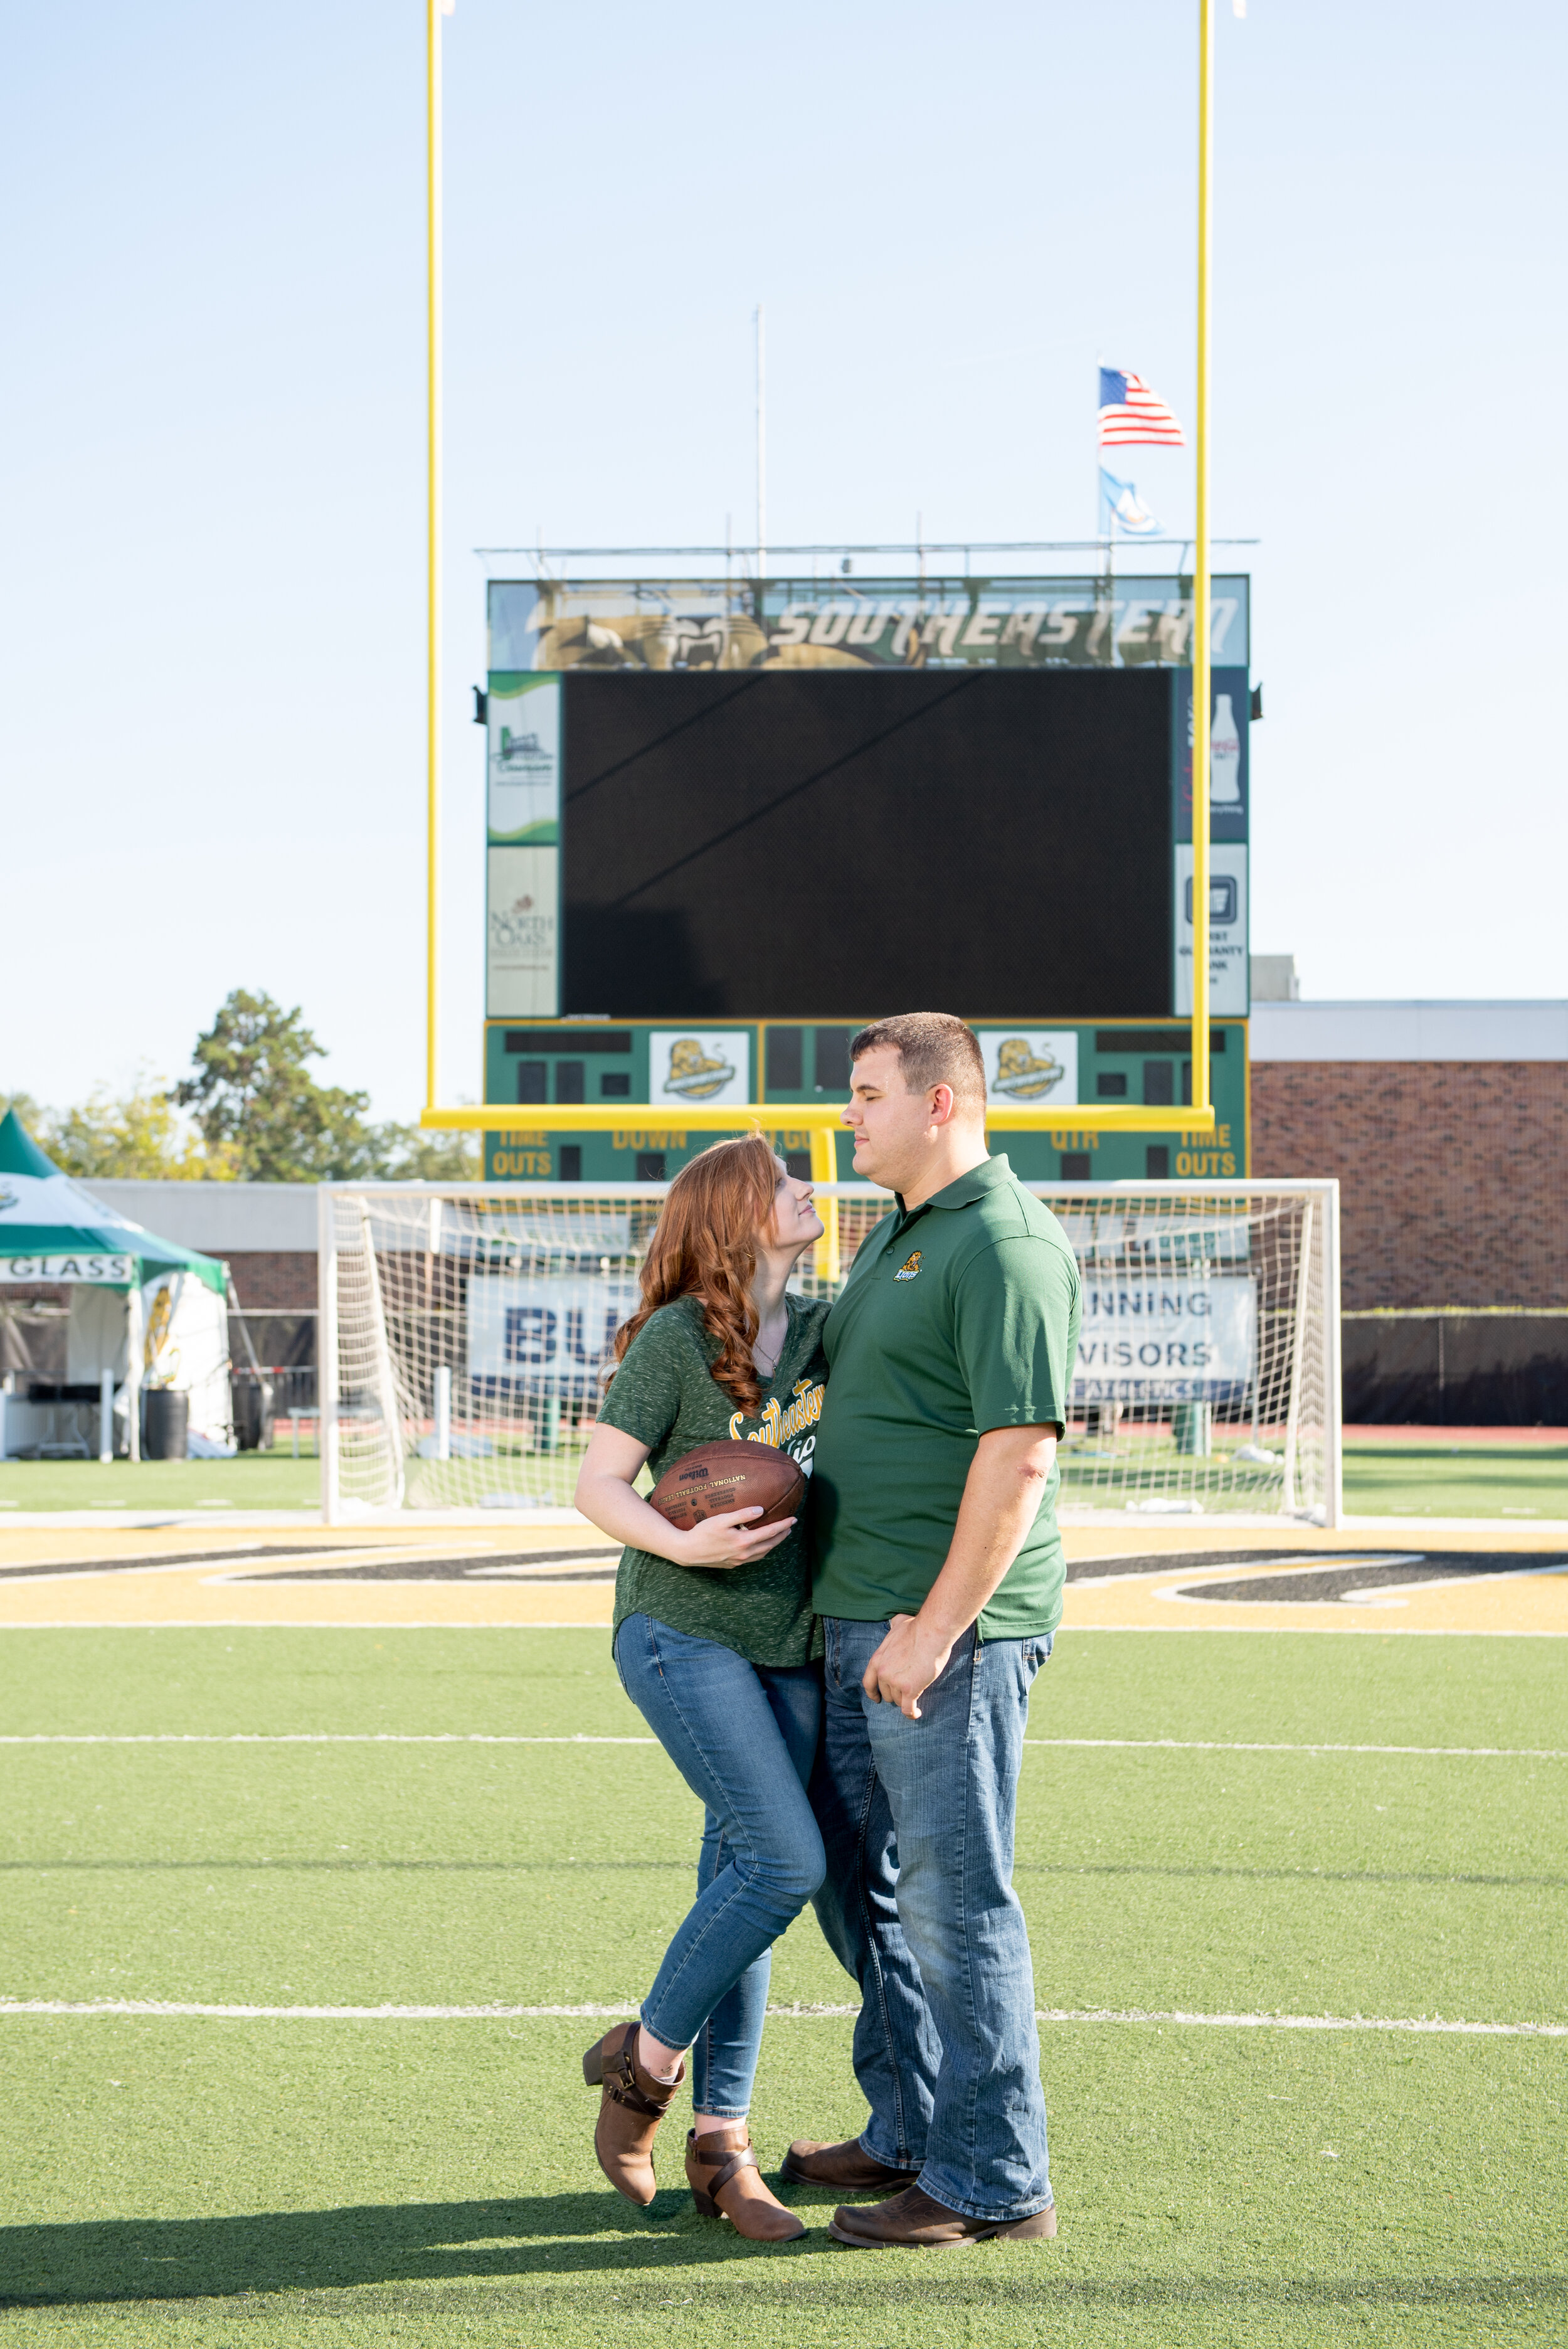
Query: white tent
point(142, 1312)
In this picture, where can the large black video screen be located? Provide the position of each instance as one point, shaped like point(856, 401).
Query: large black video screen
point(802, 845)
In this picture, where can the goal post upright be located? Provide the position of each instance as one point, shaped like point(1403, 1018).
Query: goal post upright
point(1202, 648)
point(433, 13)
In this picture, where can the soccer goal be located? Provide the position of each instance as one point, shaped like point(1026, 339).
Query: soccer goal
point(465, 1331)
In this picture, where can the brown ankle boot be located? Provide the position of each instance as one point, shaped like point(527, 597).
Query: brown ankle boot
point(629, 2110)
point(721, 2170)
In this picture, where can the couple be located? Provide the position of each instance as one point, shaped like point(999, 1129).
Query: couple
point(854, 1722)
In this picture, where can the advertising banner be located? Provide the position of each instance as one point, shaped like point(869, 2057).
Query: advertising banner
point(551, 1335)
point(111, 1272)
point(1230, 755)
point(685, 1064)
point(932, 623)
point(522, 934)
point(524, 747)
point(1167, 1339)
point(1228, 981)
point(1030, 1065)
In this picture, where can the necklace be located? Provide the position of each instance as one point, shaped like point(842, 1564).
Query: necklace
point(768, 1363)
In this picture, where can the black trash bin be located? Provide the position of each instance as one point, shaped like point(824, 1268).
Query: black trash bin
point(168, 1424)
point(253, 1407)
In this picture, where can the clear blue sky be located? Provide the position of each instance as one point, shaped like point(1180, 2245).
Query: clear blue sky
point(212, 418)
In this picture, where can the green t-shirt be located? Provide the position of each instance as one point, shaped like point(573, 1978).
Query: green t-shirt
point(958, 1316)
point(665, 1395)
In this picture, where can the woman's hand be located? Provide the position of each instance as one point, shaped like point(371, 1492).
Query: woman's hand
point(605, 1497)
point(727, 1540)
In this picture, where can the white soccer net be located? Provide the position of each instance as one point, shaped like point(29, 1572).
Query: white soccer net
point(464, 1330)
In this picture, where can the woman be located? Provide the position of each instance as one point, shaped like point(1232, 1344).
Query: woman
point(713, 1642)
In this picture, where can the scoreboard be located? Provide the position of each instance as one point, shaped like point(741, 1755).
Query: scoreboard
point(719, 814)
point(656, 1067)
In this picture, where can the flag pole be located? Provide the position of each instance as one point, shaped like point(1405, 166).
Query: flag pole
point(761, 450)
point(433, 12)
point(1201, 694)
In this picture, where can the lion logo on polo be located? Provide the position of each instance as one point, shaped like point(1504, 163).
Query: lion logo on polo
point(909, 1268)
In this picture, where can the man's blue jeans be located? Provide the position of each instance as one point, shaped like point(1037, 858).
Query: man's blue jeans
point(742, 1736)
point(919, 1907)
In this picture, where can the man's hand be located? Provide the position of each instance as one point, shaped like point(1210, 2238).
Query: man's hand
point(1001, 1500)
point(904, 1667)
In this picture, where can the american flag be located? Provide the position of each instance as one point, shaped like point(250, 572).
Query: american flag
point(1130, 411)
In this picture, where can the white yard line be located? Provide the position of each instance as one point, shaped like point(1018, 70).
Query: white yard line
point(1215, 1746)
point(800, 2013)
point(314, 1737)
point(480, 1737)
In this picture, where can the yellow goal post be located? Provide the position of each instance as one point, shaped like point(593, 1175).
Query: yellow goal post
point(823, 1119)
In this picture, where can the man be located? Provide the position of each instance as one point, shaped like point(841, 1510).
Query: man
point(939, 1581)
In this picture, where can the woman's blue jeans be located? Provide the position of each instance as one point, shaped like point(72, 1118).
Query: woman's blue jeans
point(743, 1737)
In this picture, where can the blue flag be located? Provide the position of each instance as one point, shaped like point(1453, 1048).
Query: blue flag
point(1126, 508)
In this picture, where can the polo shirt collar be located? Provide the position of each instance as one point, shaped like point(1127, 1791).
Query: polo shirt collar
point(968, 1188)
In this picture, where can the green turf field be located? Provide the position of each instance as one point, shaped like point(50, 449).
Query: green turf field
point(236, 2182)
point(1465, 1479)
point(254, 1480)
point(1455, 1480)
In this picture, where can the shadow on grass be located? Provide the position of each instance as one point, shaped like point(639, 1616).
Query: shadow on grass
point(492, 2255)
point(543, 2235)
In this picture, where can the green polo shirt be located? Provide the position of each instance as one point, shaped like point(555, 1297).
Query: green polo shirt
point(958, 1316)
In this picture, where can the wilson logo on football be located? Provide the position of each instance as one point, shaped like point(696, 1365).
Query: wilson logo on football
point(909, 1268)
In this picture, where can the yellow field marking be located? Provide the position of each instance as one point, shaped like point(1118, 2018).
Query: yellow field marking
point(218, 1593)
point(1525, 1604)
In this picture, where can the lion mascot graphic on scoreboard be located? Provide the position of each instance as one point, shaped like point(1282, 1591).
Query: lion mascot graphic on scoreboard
point(1020, 1074)
point(693, 1073)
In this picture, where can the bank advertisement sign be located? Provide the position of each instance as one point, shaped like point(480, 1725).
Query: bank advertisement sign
point(1036, 1067)
point(1167, 1339)
point(523, 740)
point(936, 622)
point(522, 934)
point(689, 1064)
point(1228, 981)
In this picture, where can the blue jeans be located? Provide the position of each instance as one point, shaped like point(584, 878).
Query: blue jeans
point(743, 1736)
point(919, 1907)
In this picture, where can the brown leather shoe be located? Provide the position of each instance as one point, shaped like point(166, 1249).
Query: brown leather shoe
point(914, 2220)
point(629, 2110)
point(725, 2182)
point(847, 2168)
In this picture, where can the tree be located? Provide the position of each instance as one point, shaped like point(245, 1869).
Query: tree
point(253, 1095)
point(408, 1153)
point(263, 1117)
point(137, 1136)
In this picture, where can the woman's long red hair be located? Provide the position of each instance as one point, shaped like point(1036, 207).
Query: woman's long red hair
point(705, 1245)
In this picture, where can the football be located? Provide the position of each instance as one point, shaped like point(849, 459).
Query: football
point(720, 1477)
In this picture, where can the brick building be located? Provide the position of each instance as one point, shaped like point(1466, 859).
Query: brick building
point(1446, 1124)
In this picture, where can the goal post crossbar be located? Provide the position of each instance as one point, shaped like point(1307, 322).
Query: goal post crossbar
point(728, 1117)
point(465, 1329)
